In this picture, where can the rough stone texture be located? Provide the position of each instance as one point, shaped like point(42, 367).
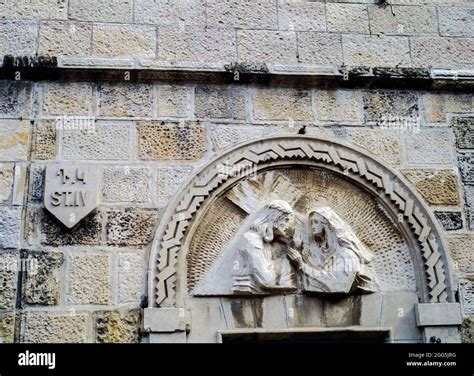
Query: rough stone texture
point(301, 16)
point(408, 20)
point(461, 248)
point(456, 21)
point(61, 38)
point(174, 101)
point(56, 9)
point(168, 179)
point(390, 105)
point(49, 327)
point(125, 100)
point(220, 102)
point(260, 14)
point(466, 167)
point(6, 182)
point(64, 100)
point(9, 268)
point(339, 106)
point(18, 37)
point(105, 141)
point(437, 187)
point(282, 104)
point(45, 140)
point(7, 327)
point(10, 227)
point(450, 220)
point(117, 327)
point(267, 46)
point(385, 51)
point(124, 40)
point(170, 13)
point(102, 11)
point(463, 128)
point(196, 44)
point(429, 146)
point(225, 136)
point(347, 18)
point(466, 289)
point(15, 98)
point(319, 49)
point(42, 284)
point(467, 330)
point(36, 181)
point(126, 184)
point(14, 139)
point(130, 226)
point(436, 106)
point(171, 141)
point(131, 273)
point(442, 52)
point(53, 233)
point(88, 278)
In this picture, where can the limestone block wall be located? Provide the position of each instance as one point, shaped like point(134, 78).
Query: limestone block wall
point(148, 136)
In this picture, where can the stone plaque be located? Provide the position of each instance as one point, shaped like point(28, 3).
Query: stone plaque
point(70, 191)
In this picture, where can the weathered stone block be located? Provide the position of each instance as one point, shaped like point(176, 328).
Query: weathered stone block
point(341, 312)
point(126, 184)
point(403, 20)
point(126, 100)
point(6, 181)
point(63, 100)
point(10, 227)
point(14, 139)
point(63, 38)
point(131, 272)
point(260, 14)
point(15, 99)
point(130, 226)
point(168, 179)
point(466, 167)
point(450, 220)
point(382, 106)
point(466, 292)
point(208, 45)
point(301, 16)
point(461, 248)
point(319, 48)
point(174, 101)
point(101, 11)
point(9, 269)
point(467, 330)
point(18, 37)
point(267, 46)
point(117, 327)
point(436, 106)
point(242, 313)
point(429, 146)
point(456, 21)
point(170, 13)
point(45, 140)
point(398, 312)
point(347, 18)
point(103, 141)
point(19, 184)
point(49, 327)
point(304, 311)
point(282, 104)
point(171, 141)
point(225, 136)
point(88, 278)
point(220, 102)
point(437, 187)
point(442, 52)
point(373, 51)
point(339, 106)
point(34, 10)
point(42, 283)
point(207, 318)
point(124, 40)
point(36, 181)
point(7, 327)
point(463, 128)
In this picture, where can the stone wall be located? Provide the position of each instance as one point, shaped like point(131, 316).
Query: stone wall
point(148, 136)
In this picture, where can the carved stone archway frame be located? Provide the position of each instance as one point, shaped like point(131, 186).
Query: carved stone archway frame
point(432, 267)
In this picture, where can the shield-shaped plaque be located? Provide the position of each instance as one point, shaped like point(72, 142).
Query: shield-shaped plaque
point(70, 191)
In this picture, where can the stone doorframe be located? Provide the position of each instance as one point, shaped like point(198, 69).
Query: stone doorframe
point(166, 312)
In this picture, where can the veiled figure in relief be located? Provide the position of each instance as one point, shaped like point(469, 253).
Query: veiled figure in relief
point(332, 258)
point(265, 266)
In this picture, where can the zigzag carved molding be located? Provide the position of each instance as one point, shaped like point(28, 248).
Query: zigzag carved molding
point(351, 162)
